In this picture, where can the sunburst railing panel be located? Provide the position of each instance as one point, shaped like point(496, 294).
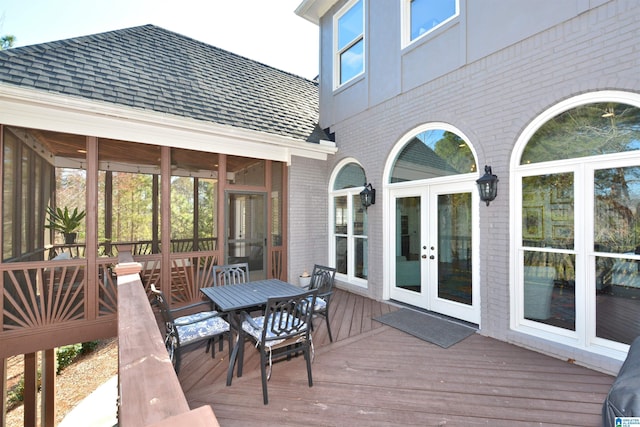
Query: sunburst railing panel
point(43, 295)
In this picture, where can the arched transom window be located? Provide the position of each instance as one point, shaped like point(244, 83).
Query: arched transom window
point(430, 154)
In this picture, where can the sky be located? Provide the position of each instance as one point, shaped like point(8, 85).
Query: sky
point(267, 31)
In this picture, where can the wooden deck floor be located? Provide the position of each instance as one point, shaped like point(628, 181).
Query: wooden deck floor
point(375, 375)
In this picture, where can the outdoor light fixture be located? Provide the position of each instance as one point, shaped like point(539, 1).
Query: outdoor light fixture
point(368, 196)
point(487, 185)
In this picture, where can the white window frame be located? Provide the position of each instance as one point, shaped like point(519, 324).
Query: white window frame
point(349, 193)
point(338, 52)
point(584, 336)
point(406, 23)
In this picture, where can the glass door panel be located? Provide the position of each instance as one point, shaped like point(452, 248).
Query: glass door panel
point(246, 232)
point(408, 236)
point(454, 243)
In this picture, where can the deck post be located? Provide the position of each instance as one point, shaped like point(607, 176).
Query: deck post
point(48, 395)
point(3, 405)
point(31, 390)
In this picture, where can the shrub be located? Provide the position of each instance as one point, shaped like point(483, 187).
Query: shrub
point(66, 356)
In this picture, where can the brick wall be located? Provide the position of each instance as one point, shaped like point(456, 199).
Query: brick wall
point(490, 101)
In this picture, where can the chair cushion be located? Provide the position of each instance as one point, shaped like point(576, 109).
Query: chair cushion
point(321, 305)
point(190, 332)
point(256, 333)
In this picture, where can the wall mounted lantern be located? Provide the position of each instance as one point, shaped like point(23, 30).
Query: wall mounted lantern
point(368, 196)
point(488, 185)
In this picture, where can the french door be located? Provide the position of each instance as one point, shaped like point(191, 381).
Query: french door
point(434, 246)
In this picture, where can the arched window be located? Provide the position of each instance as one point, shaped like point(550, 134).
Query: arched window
point(577, 222)
point(433, 153)
point(349, 223)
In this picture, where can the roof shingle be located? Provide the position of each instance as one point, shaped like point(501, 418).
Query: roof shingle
point(154, 69)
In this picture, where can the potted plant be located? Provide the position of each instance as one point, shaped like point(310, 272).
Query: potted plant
point(65, 222)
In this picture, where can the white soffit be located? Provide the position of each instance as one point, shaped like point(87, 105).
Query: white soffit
point(313, 10)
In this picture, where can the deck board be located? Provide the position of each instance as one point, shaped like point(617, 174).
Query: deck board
point(376, 375)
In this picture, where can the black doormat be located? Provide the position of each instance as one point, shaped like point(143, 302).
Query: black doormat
point(436, 330)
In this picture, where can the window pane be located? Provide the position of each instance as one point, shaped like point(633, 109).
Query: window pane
point(245, 171)
point(351, 175)
point(352, 62)
point(427, 14)
point(547, 211)
point(341, 215)
point(341, 254)
point(359, 217)
point(350, 25)
point(549, 288)
point(588, 130)
point(617, 299)
point(432, 154)
point(361, 258)
point(617, 231)
point(616, 216)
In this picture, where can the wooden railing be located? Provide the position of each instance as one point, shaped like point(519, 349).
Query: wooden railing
point(47, 304)
point(150, 393)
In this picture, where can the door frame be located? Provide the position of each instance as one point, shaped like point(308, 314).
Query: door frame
point(428, 191)
point(254, 275)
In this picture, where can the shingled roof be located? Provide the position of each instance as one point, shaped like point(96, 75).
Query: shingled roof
point(154, 69)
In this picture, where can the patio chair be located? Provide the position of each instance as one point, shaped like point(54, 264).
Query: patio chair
point(322, 280)
point(190, 329)
point(230, 274)
point(282, 332)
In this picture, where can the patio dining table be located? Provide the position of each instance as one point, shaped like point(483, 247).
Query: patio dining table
point(233, 299)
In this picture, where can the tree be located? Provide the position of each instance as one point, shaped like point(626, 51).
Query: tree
point(7, 42)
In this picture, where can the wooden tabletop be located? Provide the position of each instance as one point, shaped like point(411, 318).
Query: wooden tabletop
point(250, 294)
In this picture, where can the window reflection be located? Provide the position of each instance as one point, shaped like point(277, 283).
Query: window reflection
point(547, 211)
point(350, 43)
point(549, 289)
point(428, 14)
point(433, 153)
point(587, 130)
point(617, 240)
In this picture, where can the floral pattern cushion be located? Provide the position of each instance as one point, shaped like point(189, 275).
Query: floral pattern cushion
point(200, 325)
point(320, 306)
point(256, 332)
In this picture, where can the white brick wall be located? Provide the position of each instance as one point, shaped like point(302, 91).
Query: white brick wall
point(491, 101)
point(308, 220)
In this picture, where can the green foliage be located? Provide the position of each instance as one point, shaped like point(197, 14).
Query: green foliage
point(7, 42)
point(16, 395)
point(88, 347)
point(63, 221)
point(66, 355)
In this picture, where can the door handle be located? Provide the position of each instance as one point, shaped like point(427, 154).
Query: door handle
point(432, 257)
point(424, 257)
